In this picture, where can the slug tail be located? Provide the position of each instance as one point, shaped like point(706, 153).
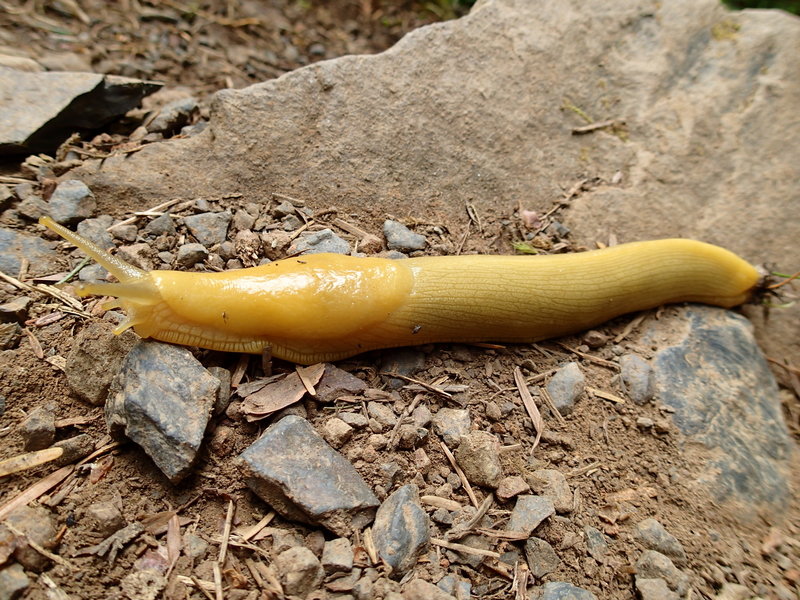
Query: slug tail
point(117, 267)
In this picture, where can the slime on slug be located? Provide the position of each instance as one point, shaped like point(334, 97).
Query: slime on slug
point(326, 307)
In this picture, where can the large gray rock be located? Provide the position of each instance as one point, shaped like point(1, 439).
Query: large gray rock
point(715, 378)
point(480, 108)
point(15, 246)
point(41, 110)
point(314, 485)
point(162, 399)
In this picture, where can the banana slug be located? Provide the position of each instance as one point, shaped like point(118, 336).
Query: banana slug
point(324, 307)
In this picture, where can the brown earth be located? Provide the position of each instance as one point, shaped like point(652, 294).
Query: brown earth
point(599, 447)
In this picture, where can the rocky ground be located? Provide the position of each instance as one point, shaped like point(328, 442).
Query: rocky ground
point(650, 458)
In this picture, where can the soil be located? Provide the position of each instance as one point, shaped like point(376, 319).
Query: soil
point(203, 47)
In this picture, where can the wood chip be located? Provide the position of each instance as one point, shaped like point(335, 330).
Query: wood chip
point(439, 502)
point(310, 376)
point(250, 532)
point(605, 395)
point(273, 397)
point(226, 533)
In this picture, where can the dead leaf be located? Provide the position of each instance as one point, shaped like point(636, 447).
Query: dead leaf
point(310, 376)
point(273, 397)
point(530, 405)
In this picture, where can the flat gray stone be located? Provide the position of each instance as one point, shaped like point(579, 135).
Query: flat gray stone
point(161, 225)
point(191, 254)
point(15, 246)
point(401, 530)
point(15, 310)
point(317, 485)
point(529, 512)
point(299, 571)
point(419, 589)
point(541, 557)
point(654, 589)
point(172, 116)
point(45, 108)
point(637, 377)
point(321, 241)
point(38, 430)
point(565, 387)
point(596, 543)
point(653, 536)
point(724, 396)
point(560, 590)
point(162, 399)
point(209, 228)
point(399, 237)
point(72, 201)
point(337, 556)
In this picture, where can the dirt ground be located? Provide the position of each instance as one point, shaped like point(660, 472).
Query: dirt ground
point(214, 44)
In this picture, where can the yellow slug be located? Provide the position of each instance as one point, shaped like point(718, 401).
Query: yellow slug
point(323, 307)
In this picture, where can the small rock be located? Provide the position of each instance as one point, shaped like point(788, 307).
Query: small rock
point(511, 486)
point(336, 432)
point(33, 208)
point(96, 230)
point(355, 420)
point(16, 310)
point(105, 517)
point(5, 196)
point(162, 399)
point(337, 556)
point(654, 589)
point(95, 358)
point(451, 424)
point(653, 536)
point(733, 591)
point(370, 244)
point(461, 589)
point(382, 413)
point(552, 484)
point(292, 222)
point(493, 411)
point(299, 571)
point(596, 543)
point(13, 581)
point(126, 233)
point(191, 254)
point(654, 565)
point(161, 225)
point(529, 512)
point(644, 423)
point(321, 241)
point(39, 429)
point(39, 527)
point(173, 116)
point(560, 590)
point(283, 209)
point(139, 255)
point(93, 274)
point(243, 220)
point(143, 584)
point(443, 516)
point(595, 339)
point(327, 490)
point(637, 377)
point(410, 436)
point(194, 546)
point(418, 589)
point(72, 201)
point(541, 557)
point(10, 334)
point(209, 228)
point(422, 416)
point(224, 394)
point(565, 387)
point(399, 237)
point(401, 530)
point(478, 454)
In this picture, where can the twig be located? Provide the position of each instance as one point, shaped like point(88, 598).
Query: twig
point(217, 581)
point(775, 286)
point(203, 586)
point(605, 395)
point(252, 531)
point(463, 548)
point(600, 361)
point(462, 530)
point(133, 219)
point(28, 460)
point(633, 324)
point(460, 473)
point(406, 413)
point(369, 546)
point(549, 401)
point(34, 491)
point(530, 406)
point(583, 470)
point(226, 534)
point(427, 386)
point(597, 125)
